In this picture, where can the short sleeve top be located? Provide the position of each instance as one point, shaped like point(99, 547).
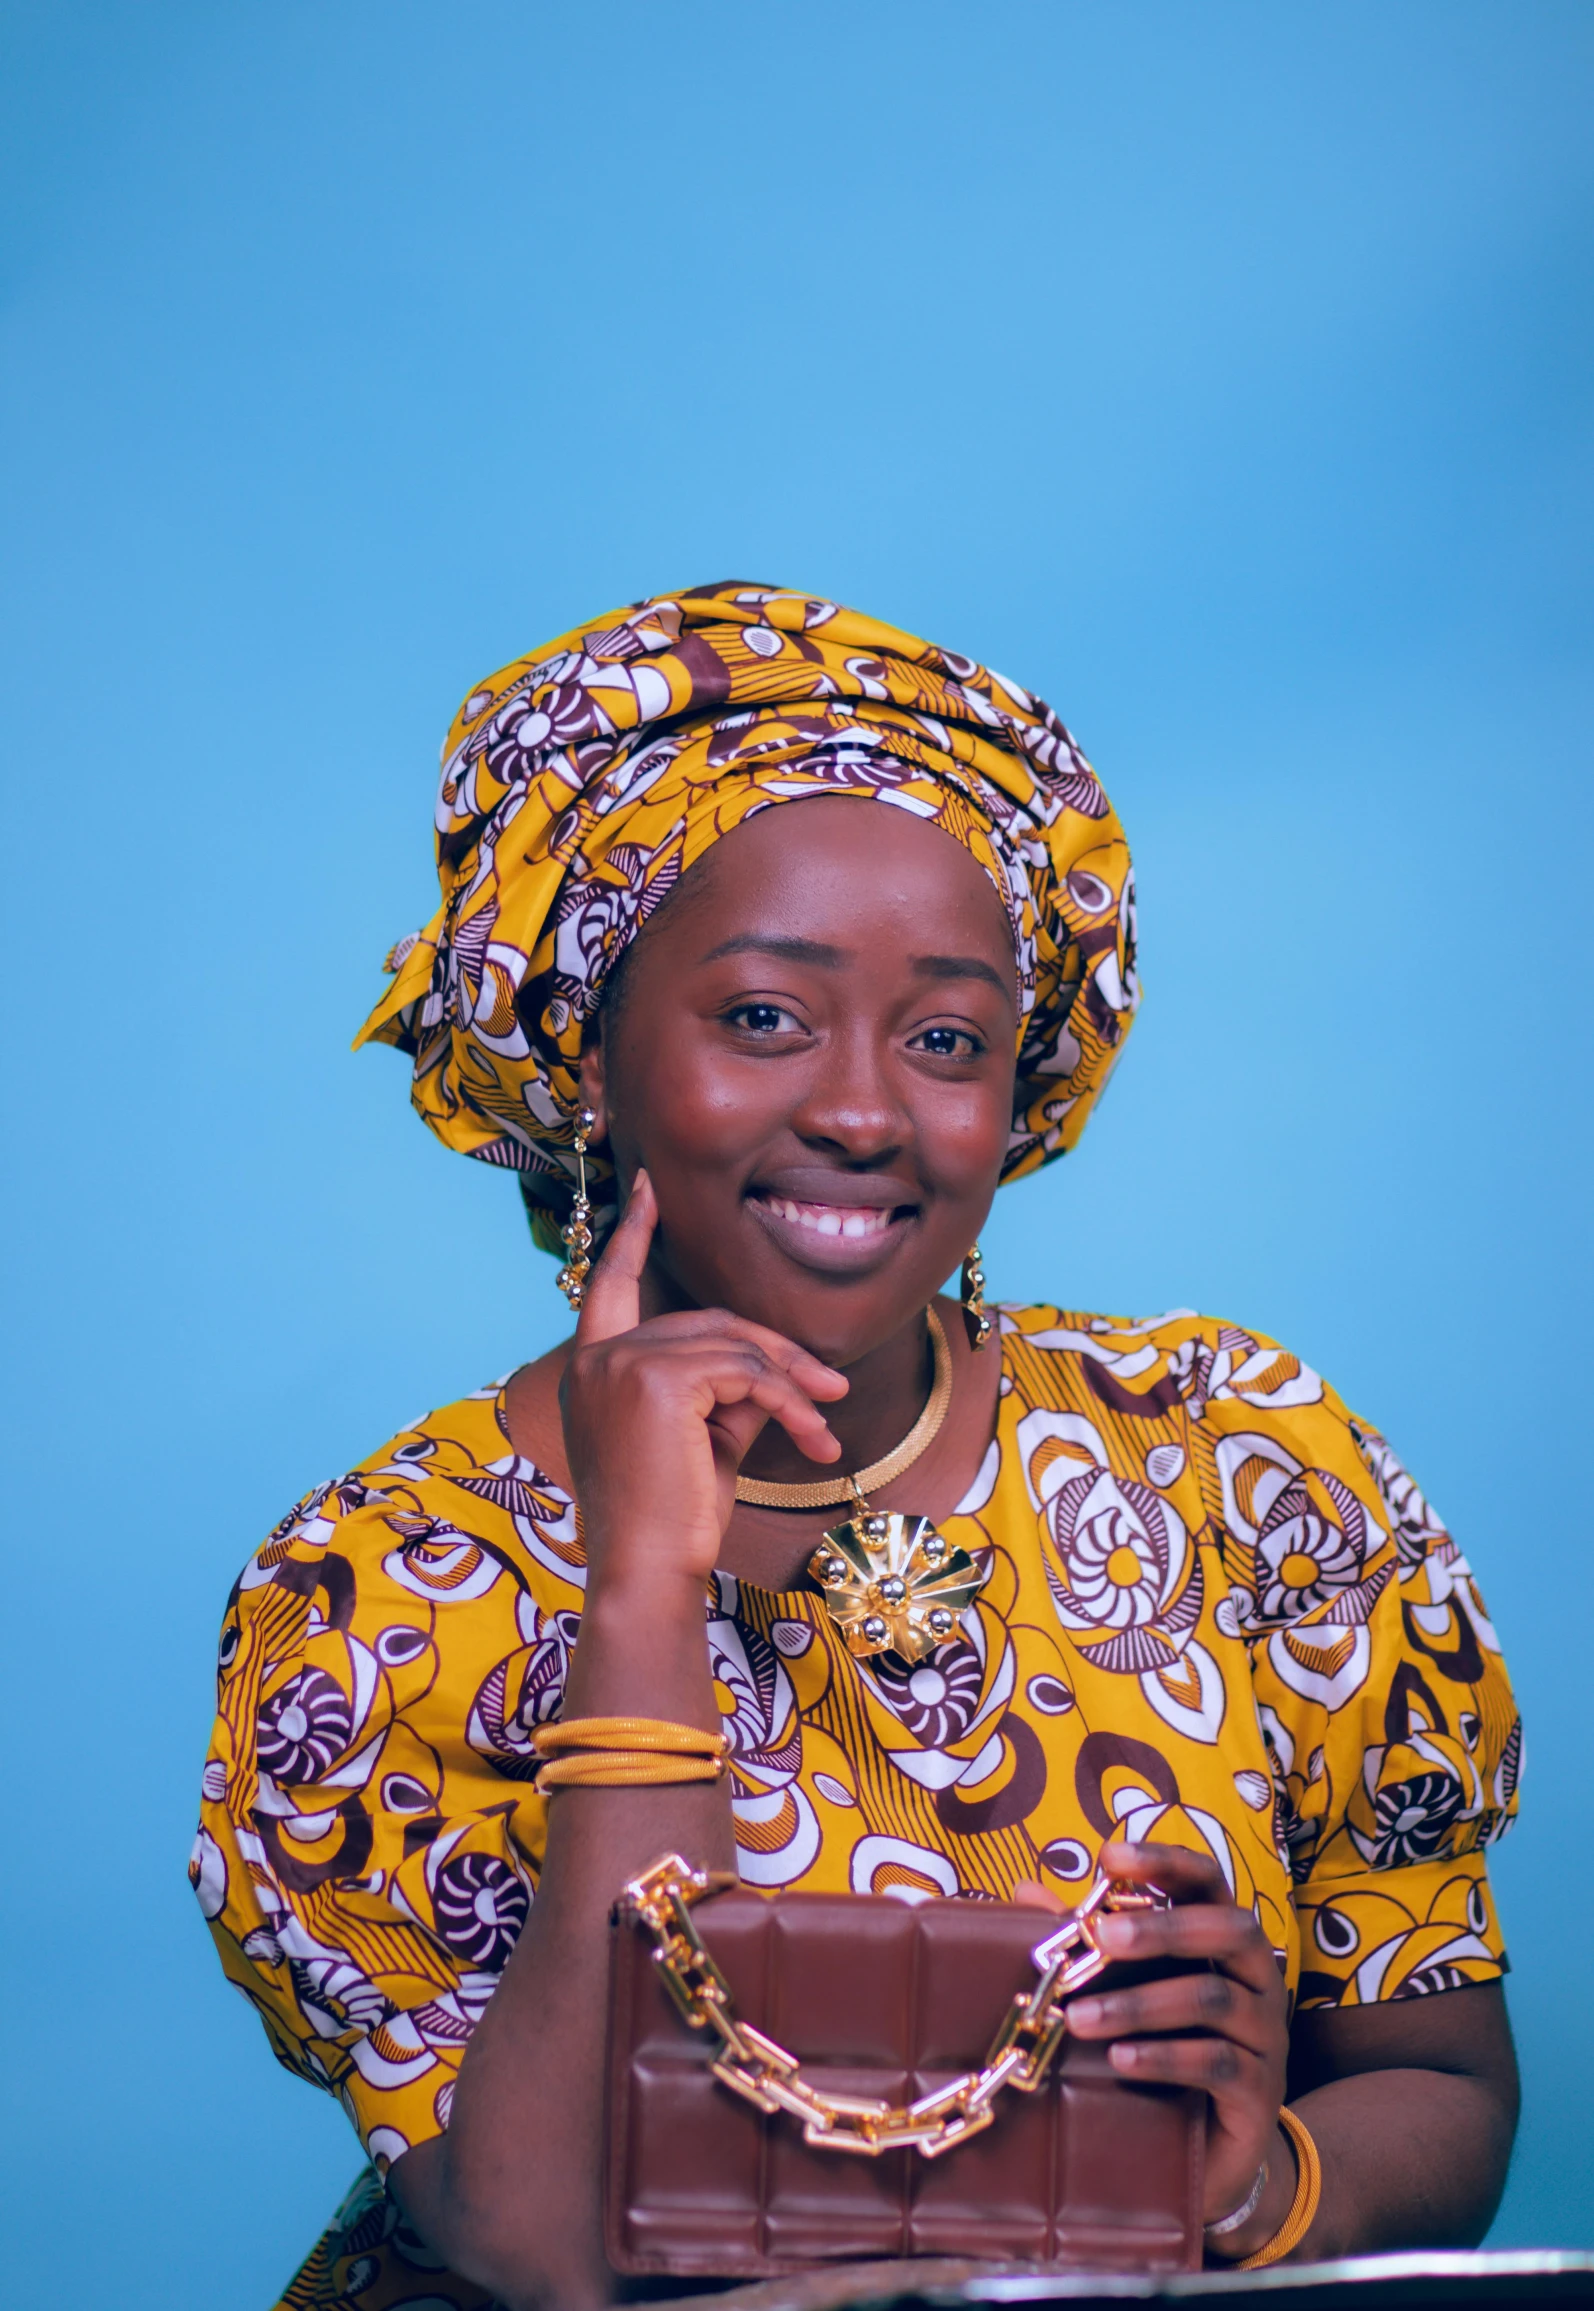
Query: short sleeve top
point(1218, 1612)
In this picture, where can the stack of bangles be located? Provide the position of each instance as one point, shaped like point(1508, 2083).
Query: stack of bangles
point(1303, 2207)
point(625, 1753)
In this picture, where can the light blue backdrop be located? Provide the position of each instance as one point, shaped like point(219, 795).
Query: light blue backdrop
point(1221, 372)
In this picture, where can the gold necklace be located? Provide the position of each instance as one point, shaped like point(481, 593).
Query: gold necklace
point(891, 1583)
point(831, 1492)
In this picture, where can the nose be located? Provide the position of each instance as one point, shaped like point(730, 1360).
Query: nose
point(852, 1107)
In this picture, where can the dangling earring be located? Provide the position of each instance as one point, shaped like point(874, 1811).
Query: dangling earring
point(577, 1231)
point(976, 1319)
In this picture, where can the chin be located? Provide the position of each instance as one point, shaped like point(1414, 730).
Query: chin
point(838, 1322)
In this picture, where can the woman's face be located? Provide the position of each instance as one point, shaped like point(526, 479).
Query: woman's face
point(812, 1054)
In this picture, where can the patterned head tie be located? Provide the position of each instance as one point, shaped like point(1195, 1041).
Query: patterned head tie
point(581, 783)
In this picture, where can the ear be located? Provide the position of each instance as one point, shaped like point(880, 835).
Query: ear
point(592, 1078)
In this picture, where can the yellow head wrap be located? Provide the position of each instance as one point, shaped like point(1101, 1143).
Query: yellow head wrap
point(581, 783)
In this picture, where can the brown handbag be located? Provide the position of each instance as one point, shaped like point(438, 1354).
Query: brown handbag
point(932, 2046)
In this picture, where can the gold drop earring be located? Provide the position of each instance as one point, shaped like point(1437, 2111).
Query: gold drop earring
point(976, 1317)
point(576, 1234)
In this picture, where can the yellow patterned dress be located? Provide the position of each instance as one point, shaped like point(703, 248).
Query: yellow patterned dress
point(1219, 1612)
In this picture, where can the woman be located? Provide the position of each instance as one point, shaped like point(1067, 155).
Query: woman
point(1221, 1642)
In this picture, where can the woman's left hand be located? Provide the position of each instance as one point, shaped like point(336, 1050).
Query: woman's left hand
point(1226, 2029)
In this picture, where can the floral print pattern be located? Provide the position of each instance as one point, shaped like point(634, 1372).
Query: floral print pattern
point(1207, 1620)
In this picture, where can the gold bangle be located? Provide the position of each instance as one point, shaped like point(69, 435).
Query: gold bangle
point(624, 1769)
point(1303, 2207)
point(655, 1733)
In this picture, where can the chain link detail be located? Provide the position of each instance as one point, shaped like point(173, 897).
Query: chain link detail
point(770, 2078)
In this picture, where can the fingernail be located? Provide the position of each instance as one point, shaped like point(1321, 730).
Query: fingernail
point(1085, 2013)
point(1117, 1934)
point(1124, 2054)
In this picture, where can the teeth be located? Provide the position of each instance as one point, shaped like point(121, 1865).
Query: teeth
point(852, 1221)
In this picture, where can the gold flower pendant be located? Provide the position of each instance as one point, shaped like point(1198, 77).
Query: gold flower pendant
point(893, 1584)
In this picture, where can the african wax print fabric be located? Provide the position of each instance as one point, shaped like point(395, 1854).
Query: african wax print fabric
point(1219, 1613)
point(581, 783)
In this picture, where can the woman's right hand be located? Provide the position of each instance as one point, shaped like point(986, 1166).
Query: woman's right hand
point(658, 1416)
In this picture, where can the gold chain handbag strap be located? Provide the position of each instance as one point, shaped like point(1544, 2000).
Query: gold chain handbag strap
point(766, 2075)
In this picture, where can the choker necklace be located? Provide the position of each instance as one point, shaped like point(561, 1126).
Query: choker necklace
point(832, 1491)
point(891, 1583)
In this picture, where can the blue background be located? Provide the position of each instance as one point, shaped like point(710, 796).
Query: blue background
point(1223, 373)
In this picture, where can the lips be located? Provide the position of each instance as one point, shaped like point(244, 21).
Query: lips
point(839, 1237)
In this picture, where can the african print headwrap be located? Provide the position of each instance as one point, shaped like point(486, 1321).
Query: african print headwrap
point(581, 783)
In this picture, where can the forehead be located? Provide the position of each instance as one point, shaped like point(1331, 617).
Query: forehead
point(847, 870)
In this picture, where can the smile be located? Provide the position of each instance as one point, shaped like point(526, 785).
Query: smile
point(836, 1238)
point(831, 1219)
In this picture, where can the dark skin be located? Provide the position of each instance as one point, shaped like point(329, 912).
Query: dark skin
point(806, 1092)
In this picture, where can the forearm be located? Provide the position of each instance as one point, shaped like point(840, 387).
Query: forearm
point(510, 2195)
point(1410, 2158)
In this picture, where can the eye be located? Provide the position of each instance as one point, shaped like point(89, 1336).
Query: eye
point(763, 1019)
point(947, 1043)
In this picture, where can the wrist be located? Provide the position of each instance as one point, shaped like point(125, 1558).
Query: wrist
point(643, 1650)
point(1229, 2226)
point(1271, 2210)
point(643, 1646)
point(643, 1595)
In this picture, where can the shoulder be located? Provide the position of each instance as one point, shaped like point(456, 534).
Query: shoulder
point(440, 1509)
point(1257, 1413)
point(1159, 1363)
point(396, 1591)
point(1289, 1471)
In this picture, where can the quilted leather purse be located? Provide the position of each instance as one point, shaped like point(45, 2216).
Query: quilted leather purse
point(931, 2046)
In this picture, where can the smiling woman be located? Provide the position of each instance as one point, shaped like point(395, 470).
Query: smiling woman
point(1164, 1603)
point(828, 1094)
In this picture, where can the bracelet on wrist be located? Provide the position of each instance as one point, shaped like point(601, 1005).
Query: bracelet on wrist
point(625, 1753)
point(1244, 2211)
point(627, 1733)
point(1304, 2205)
point(624, 1769)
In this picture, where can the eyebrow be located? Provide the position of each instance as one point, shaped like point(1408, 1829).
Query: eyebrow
point(824, 957)
point(961, 967)
point(815, 951)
